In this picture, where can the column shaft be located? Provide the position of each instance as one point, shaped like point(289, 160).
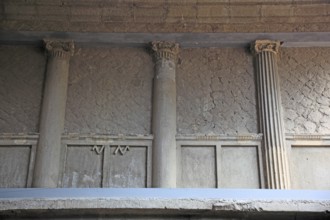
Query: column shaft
point(270, 115)
point(164, 116)
point(47, 164)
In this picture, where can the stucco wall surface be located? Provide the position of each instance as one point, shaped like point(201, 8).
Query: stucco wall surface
point(216, 92)
point(21, 81)
point(305, 87)
point(109, 91)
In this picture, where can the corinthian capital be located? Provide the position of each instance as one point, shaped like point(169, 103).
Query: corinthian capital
point(165, 50)
point(59, 48)
point(265, 45)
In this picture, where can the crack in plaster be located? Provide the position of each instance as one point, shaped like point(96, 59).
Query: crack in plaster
point(305, 83)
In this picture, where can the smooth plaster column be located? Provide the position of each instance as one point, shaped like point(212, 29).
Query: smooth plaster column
point(270, 114)
point(164, 115)
point(47, 164)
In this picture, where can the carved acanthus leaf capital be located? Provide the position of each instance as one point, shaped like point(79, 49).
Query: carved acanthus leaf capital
point(265, 45)
point(165, 50)
point(59, 48)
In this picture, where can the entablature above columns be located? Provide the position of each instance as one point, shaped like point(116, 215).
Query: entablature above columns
point(186, 40)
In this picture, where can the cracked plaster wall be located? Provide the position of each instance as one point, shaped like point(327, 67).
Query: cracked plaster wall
point(109, 91)
point(216, 92)
point(305, 87)
point(21, 81)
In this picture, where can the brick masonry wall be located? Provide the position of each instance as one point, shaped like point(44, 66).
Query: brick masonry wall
point(166, 16)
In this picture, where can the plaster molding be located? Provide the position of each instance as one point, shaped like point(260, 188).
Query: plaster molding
point(254, 137)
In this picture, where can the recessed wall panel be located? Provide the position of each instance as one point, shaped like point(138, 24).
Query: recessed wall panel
point(198, 166)
point(239, 167)
point(14, 166)
point(310, 167)
point(83, 167)
point(127, 166)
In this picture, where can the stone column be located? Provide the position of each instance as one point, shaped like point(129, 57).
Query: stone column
point(164, 115)
point(47, 163)
point(270, 115)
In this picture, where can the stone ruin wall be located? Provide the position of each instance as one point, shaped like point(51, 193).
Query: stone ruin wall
point(110, 91)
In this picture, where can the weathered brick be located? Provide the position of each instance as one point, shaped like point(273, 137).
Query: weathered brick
point(182, 11)
point(213, 20)
point(53, 10)
point(244, 20)
point(48, 2)
point(64, 18)
point(276, 20)
point(116, 19)
point(32, 2)
point(18, 2)
point(312, 19)
point(277, 10)
point(212, 11)
point(84, 18)
point(327, 8)
point(148, 19)
point(88, 11)
point(117, 14)
point(20, 9)
point(148, 12)
point(306, 10)
point(245, 10)
point(182, 20)
point(172, 2)
point(212, 1)
point(83, 2)
point(20, 17)
point(117, 11)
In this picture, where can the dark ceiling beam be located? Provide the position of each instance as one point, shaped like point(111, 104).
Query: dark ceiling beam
point(186, 40)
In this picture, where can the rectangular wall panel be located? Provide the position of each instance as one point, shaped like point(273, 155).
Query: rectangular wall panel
point(239, 167)
point(127, 166)
point(198, 166)
point(14, 166)
point(310, 167)
point(83, 167)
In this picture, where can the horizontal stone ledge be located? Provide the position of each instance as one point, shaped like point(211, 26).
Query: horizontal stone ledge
point(186, 40)
point(219, 202)
point(179, 137)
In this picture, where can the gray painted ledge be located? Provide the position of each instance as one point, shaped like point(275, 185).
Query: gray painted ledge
point(186, 40)
point(209, 202)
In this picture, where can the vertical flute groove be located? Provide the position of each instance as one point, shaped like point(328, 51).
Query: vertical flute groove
point(270, 118)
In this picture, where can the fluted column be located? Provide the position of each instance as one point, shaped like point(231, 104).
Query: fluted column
point(47, 164)
point(164, 115)
point(270, 115)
